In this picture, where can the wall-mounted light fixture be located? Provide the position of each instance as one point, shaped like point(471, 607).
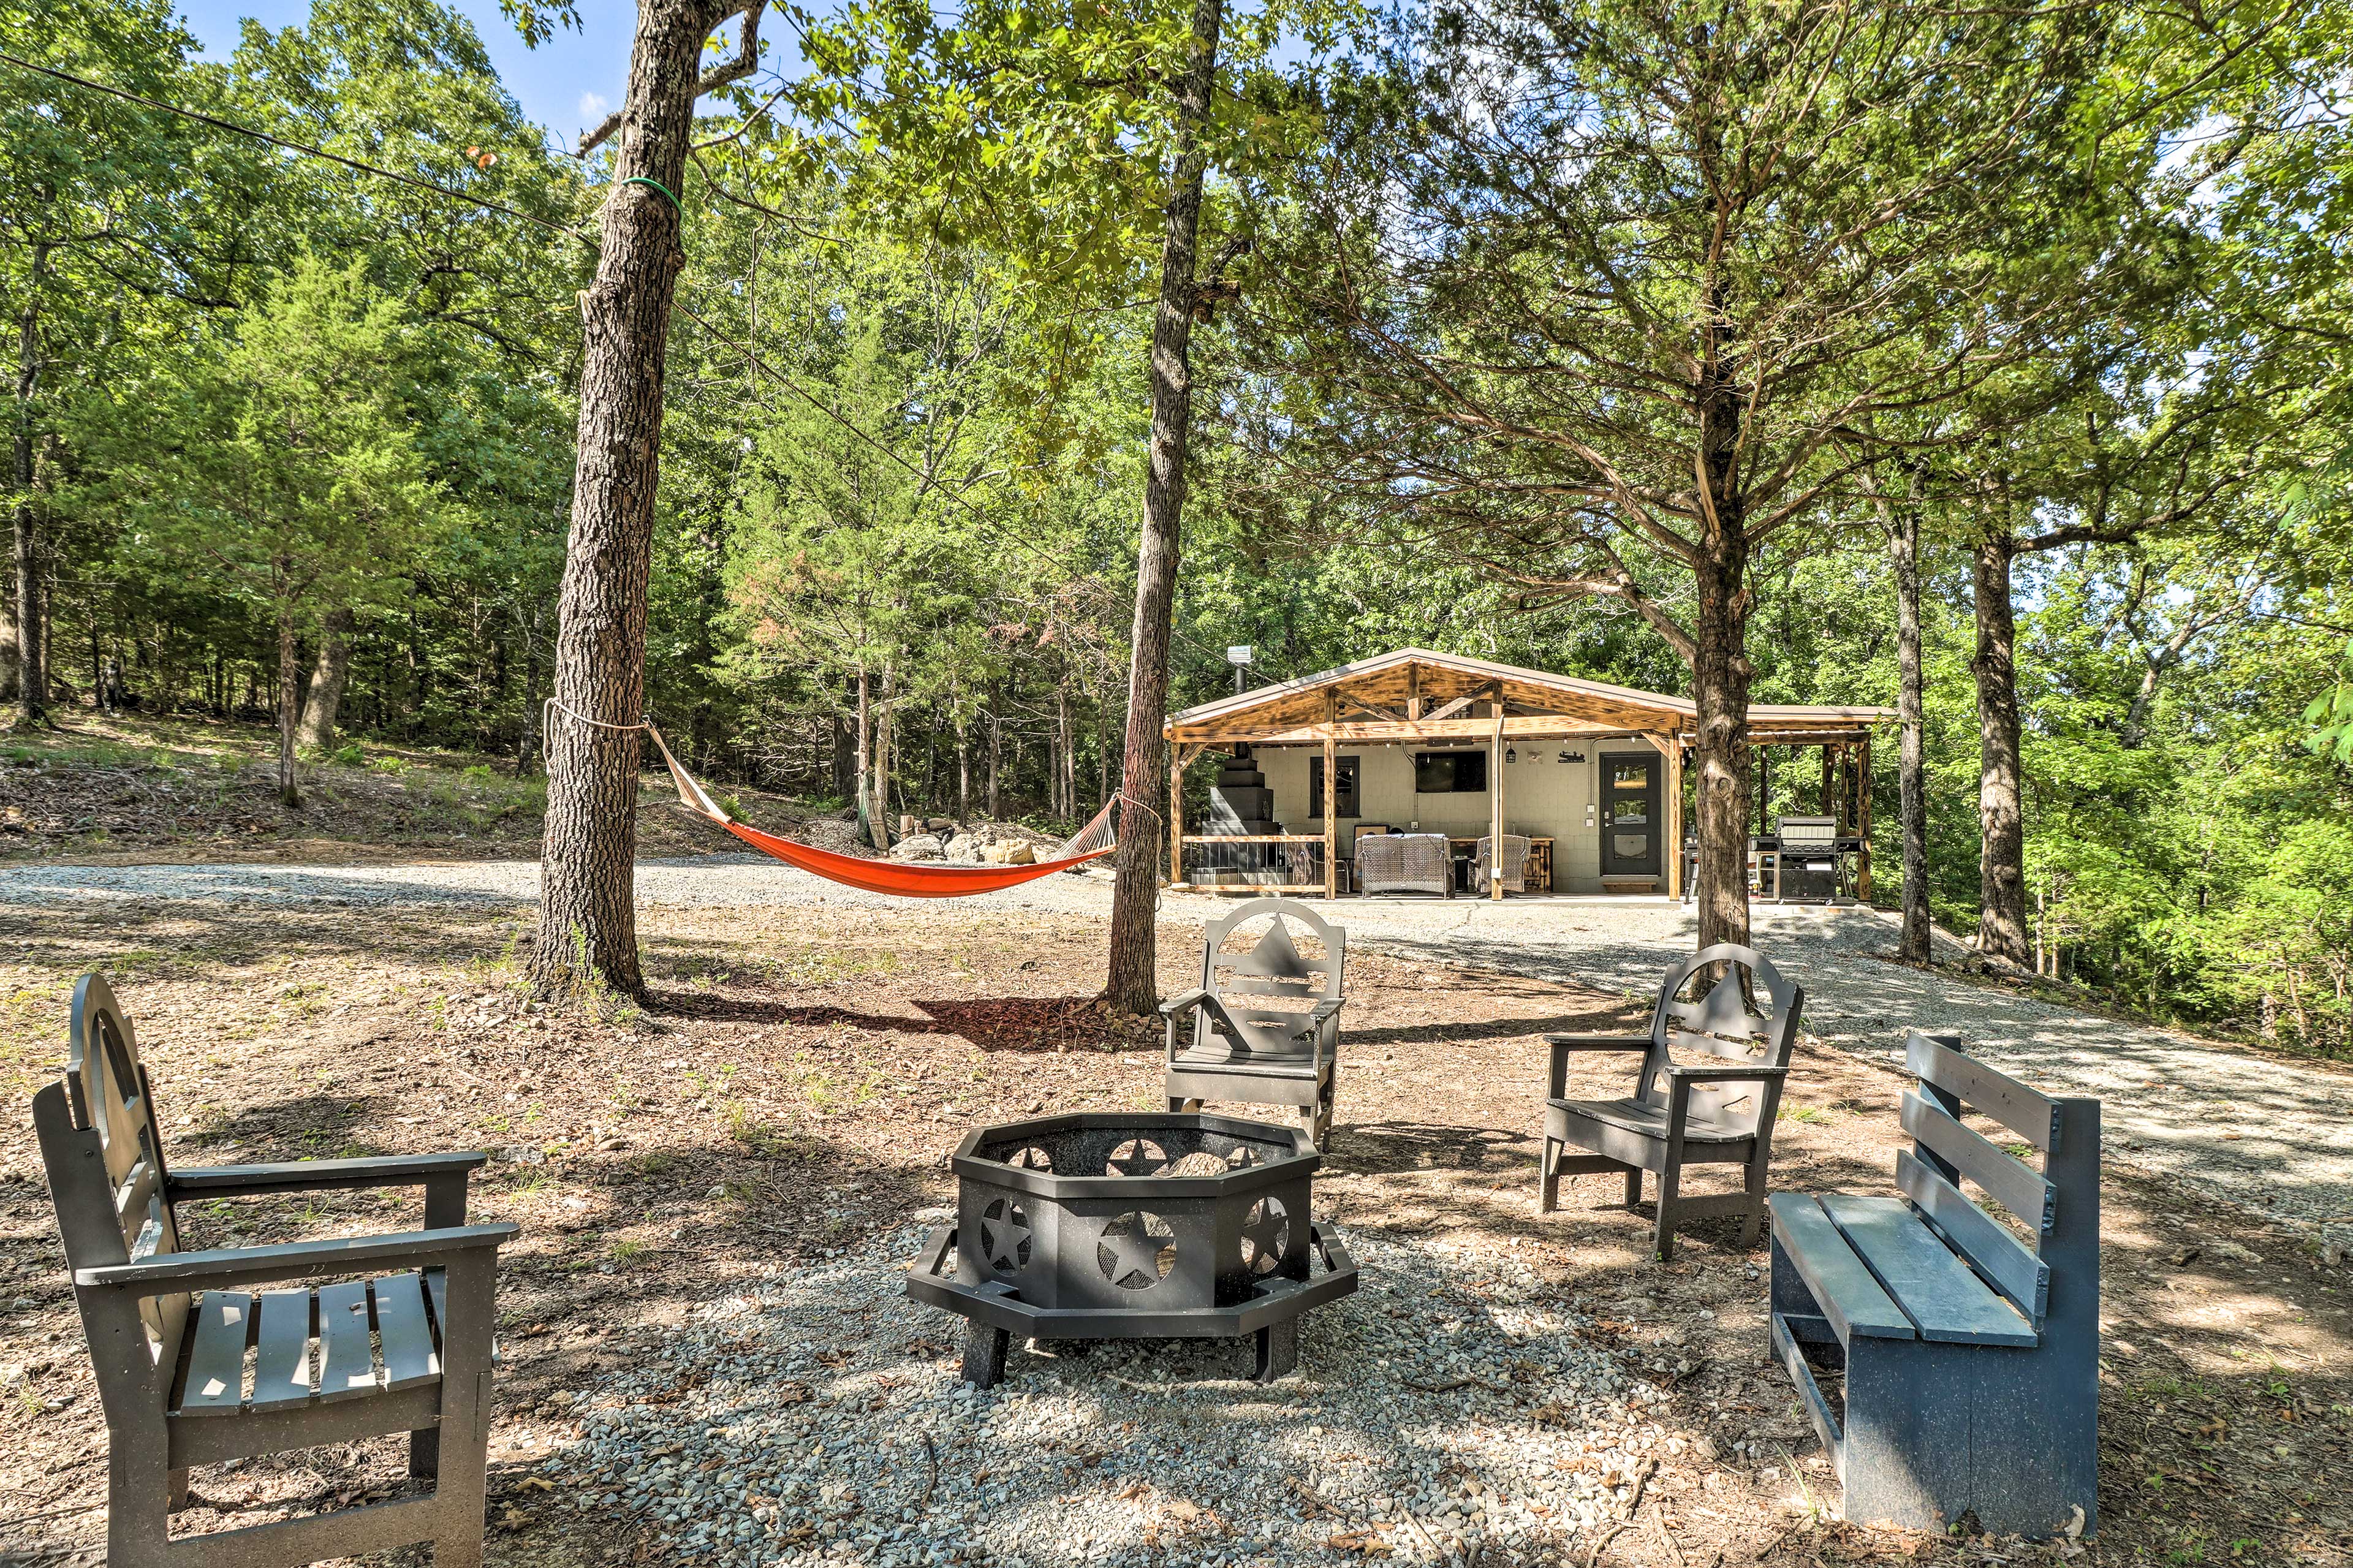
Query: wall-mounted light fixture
point(1511, 753)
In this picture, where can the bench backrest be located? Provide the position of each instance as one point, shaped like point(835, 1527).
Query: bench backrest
point(1272, 968)
point(2058, 1207)
point(1749, 1016)
point(103, 1148)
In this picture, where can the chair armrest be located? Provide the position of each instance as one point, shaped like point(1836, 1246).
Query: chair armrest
point(1731, 1072)
point(319, 1175)
point(1556, 1079)
point(226, 1268)
point(1327, 1009)
point(1184, 1002)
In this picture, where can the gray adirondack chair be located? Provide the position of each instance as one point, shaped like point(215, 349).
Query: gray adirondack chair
point(1259, 1052)
point(407, 1350)
point(1715, 1109)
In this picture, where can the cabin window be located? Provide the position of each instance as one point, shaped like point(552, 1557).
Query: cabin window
point(1348, 802)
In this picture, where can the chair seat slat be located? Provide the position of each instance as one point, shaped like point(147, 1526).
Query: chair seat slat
point(216, 1383)
point(410, 1356)
point(281, 1365)
point(346, 1353)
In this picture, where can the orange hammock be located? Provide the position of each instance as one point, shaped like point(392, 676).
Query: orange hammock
point(903, 880)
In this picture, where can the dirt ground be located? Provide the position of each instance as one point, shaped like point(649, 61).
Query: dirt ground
point(794, 1084)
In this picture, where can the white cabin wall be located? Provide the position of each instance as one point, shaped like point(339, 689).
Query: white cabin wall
point(1543, 798)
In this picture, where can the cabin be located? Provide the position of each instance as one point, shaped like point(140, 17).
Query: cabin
point(1594, 775)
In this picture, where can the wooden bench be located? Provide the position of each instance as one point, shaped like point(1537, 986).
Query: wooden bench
point(404, 1347)
point(1971, 1357)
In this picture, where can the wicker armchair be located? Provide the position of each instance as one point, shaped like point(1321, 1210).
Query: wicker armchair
point(1515, 863)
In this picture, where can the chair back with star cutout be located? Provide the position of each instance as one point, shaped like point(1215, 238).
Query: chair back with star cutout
point(1270, 979)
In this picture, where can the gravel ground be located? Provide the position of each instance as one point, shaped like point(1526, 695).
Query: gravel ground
point(1457, 1402)
point(2272, 1133)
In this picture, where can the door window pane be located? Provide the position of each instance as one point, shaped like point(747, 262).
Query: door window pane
point(1634, 812)
point(1632, 845)
point(1629, 775)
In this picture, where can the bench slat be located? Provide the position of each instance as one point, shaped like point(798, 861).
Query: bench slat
point(2029, 1113)
point(1842, 1286)
point(2014, 1184)
point(282, 1369)
point(1935, 1287)
point(409, 1356)
point(216, 1385)
point(1999, 1256)
point(346, 1359)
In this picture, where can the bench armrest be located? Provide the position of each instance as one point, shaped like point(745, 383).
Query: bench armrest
point(1557, 1079)
point(319, 1175)
point(1731, 1072)
point(229, 1267)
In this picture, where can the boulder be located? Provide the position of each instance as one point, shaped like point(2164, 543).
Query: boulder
point(962, 846)
point(1011, 852)
point(922, 847)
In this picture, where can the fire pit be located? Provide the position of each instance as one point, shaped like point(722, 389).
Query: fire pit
point(1131, 1226)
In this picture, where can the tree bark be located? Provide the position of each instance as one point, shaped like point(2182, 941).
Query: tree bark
point(1912, 767)
point(289, 696)
point(1720, 754)
point(2001, 822)
point(883, 738)
point(863, 758)
point(1132, 986)
point(328, 678)
point(32, 686)
point(587, 917)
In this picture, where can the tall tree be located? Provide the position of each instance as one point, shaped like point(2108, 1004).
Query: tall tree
point(285, 470)
point(1594, 297)
point(587, 915)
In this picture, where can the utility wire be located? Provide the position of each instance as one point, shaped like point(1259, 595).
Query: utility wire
point(568, 232)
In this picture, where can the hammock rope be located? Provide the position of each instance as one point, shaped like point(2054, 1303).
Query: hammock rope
point(897, 879)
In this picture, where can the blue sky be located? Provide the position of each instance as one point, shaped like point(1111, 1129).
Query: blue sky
point(568, 83)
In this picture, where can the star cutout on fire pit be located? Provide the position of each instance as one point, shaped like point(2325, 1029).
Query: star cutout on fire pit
point(1137, 1157)
point(1137, 1251)
point(1266, 1236)
point(1005, 1237)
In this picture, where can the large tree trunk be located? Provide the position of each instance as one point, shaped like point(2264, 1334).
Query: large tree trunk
point(882, 742)
point(32, 686)
point(2001, 822)
point(1720, 676)
point(1903, 556)
point(289, 696)
point(328, 678)
point(1066, 752)
point(587, 917)
point(1132, 986)
point(863, 758)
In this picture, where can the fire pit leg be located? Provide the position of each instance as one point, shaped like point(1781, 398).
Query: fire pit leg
point(983, 1354)
point(1278, 1350)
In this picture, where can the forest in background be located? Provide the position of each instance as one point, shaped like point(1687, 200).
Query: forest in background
point(290, 436)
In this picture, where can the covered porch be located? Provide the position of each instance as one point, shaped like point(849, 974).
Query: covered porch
point(1439, 746)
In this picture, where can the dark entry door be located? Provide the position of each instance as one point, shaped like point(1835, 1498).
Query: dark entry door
point(1631, 824)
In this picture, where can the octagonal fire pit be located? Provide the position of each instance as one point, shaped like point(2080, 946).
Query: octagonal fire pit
point(1133, 1225)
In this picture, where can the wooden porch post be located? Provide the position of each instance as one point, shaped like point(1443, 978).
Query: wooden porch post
point(1863, 814)
point(1331, 797)
point(1673, 747)
point(1180, 759)
point(1495, 804)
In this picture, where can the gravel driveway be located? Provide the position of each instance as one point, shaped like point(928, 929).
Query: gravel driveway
point(2271, 1134)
